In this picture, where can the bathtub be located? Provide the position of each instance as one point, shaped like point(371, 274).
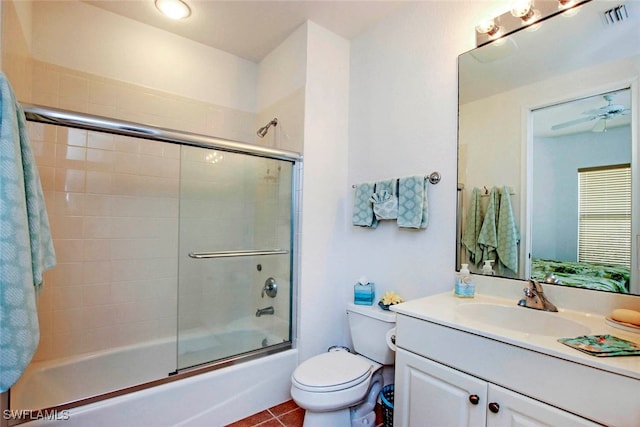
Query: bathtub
point(226, 394)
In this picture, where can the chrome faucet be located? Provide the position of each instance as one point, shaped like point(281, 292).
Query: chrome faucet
point(266, 310)
point(534, 298)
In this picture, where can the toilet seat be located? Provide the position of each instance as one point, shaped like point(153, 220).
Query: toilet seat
point(332, 371)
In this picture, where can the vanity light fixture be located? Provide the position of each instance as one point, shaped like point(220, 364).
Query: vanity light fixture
point(524, 14)
point(174, 9)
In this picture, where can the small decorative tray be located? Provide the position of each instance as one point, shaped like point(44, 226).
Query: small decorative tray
point(629, 327)
point(602, 345)
point(383, 306)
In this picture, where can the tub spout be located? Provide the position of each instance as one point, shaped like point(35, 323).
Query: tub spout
point(266, 310)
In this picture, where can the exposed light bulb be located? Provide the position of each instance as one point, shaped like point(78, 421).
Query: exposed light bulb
point(488, 27)
point(523, 9)
point(565, 4)
point(567, 7)
point(174, 9)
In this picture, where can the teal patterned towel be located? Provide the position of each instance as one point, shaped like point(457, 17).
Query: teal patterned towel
point(413, 206)
point(26, 249)
point(473, 223)
point(385, 205)
point(508, 233)
point(387, 185)
point(488, 237)
point(362, 206)
point(385, 201)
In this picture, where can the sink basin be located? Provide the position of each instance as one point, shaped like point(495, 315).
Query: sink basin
point(523, 319)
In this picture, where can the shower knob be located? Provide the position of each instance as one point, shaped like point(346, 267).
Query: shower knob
point(270, 288)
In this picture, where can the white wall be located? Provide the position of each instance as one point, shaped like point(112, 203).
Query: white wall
point(283, 70)
point(403, 111)
point(140, 54)
point(556, 161)
point(322, 317)
point(281, 82)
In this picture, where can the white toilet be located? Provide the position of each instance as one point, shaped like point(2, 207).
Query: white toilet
point(339, 388)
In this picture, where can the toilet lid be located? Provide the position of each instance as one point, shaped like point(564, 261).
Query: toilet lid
point(332, 371)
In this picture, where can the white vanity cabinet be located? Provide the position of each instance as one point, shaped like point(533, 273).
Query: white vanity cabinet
point(443, 369)
point(431, 394)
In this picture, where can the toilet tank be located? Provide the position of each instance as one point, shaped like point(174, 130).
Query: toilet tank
point(369, 326)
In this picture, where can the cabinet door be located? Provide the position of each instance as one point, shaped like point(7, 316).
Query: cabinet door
point(428, 394)
point(516, 410)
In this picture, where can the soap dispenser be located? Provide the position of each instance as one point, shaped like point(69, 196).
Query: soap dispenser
point(487, 268)
point(465, 287)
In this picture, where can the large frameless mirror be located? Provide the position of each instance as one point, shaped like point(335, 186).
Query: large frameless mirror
point(548, 152)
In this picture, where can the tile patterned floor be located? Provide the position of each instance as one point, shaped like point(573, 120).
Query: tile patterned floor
point(286, 414)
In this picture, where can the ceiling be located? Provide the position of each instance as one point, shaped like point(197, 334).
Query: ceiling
point(223, 24)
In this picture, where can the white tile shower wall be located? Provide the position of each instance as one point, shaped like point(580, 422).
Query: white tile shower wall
point(113, 208)
point(69, 89)
point(115, 235)
point(83, 37)
point(16, 46)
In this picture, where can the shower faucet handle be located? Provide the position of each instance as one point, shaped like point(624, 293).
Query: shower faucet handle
point(270, 288)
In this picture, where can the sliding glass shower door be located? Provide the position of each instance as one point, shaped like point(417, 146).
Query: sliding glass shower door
point(234, 291)
point(169, 256)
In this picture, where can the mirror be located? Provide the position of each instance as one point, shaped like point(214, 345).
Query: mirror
point(539, 112)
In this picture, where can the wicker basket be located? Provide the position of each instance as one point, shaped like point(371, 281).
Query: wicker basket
point(386, 397)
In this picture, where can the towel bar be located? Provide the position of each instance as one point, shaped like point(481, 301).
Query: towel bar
point(230, 254)
point(433, 177)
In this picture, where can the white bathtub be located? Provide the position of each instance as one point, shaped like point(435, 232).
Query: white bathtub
point(226, 394)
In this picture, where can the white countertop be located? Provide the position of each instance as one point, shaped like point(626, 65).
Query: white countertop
point(441, 309)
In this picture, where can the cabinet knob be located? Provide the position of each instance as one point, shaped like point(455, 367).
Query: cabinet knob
point(494, 407)
point(474, 399)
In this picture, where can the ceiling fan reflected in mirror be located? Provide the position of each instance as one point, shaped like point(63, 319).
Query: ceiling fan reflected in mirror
point(601, 114)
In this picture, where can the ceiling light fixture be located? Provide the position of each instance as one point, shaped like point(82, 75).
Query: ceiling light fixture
point(174, 9)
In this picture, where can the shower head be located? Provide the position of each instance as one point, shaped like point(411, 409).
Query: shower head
point(263, 130)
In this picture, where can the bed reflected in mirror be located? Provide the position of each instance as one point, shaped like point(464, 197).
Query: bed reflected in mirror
point(581, 169)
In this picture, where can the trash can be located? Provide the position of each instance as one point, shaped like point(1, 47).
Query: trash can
point(386, 398)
